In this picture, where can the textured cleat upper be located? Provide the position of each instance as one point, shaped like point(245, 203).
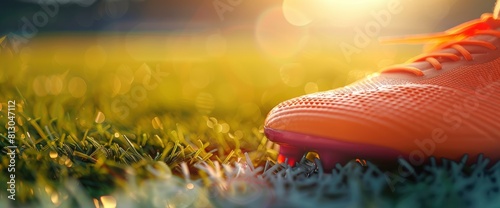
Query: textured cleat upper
point(444, 103)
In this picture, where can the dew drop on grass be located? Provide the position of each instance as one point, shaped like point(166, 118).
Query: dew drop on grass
point(53, 154)
point(100, 117)
point(108, 201)
point(156, 122)
point(54, 198)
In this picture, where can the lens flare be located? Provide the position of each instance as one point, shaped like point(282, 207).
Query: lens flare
point(277, 37)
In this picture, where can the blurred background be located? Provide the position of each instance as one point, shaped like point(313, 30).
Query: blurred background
point(185, 81)
point(215, 57)
point(196, 15)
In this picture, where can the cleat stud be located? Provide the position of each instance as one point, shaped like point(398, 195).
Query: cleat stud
point(290, 154)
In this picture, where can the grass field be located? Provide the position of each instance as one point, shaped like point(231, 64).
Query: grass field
point(104, 124)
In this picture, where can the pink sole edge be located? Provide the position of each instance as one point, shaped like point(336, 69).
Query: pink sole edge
point(294, 145)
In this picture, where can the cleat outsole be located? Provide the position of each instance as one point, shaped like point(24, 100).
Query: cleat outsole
point(293, 146)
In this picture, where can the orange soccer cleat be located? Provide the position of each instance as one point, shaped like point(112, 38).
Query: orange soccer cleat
point(445, 103)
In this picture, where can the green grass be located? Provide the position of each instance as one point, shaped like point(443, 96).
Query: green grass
point(195, 140)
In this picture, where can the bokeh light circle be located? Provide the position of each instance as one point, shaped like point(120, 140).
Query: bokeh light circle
point(295, 12)
point(54, 84)
point(277, 37)
point(39, 86)
point(311, 87)
point(116, 8)
point(205, 103)
point(77, 87)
